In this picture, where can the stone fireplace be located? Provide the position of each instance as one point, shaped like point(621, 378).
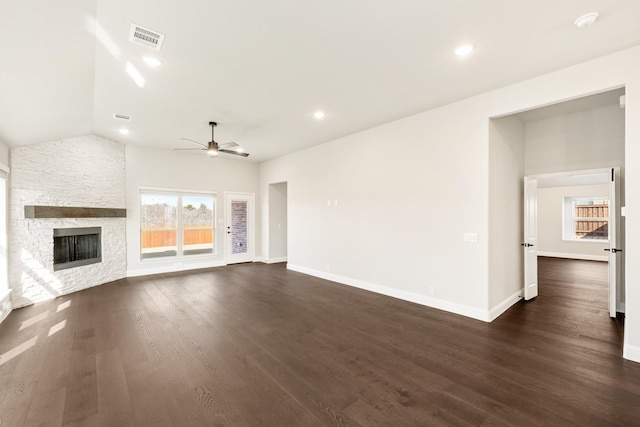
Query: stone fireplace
point(62, 192)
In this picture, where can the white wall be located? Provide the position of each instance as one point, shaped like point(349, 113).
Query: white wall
point(5, 298)
point(401, 215)
point(588, 139)
point(86, 171)
point(187, 172)
point(363, 213)
point(277, 222)
point(550, 220)
point(4, 156)
point(506, 171)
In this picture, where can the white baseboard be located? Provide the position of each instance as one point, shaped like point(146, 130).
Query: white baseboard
point(574, 256)
point(169, 268)
point(5, 305)
point(270, 260)
point(428, 301)
point(505, 305)
point(631, 352)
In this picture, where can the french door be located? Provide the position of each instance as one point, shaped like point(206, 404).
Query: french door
point(615, 256)
point(530, 238)
point(240, 227)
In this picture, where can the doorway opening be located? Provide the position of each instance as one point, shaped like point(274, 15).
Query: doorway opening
point(575, 216)
point(587, 133)
point(278, 228)
point(573, 136)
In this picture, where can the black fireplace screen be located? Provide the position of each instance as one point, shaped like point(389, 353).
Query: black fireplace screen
point(73, 247)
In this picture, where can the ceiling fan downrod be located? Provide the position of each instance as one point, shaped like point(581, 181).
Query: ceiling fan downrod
point(213, 146)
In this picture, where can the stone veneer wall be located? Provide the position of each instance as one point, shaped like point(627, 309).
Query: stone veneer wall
point(86, 171)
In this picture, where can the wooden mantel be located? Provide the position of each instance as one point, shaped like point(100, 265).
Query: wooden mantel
point(31, 211)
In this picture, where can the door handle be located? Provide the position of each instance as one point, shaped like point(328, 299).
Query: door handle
point(613, 250)
point(526, 245)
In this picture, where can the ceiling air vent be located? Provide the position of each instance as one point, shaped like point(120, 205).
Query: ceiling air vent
point(121, 117)
point(146, 37)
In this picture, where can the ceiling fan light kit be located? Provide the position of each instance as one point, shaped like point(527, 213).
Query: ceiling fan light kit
point(213, 148)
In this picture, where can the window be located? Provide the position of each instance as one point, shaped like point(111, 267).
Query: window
point(176, 224)
point(586, 218)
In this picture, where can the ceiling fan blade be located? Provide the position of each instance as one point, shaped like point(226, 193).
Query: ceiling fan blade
point(229, 145)
point(195, 142)
point(221, 150)
point(189, 149)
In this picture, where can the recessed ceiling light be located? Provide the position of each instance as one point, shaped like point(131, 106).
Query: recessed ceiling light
point(465, 49)
point(124, 117)
point(124, 131)
point(319, 115)
point(586, 20)
point(151, 61)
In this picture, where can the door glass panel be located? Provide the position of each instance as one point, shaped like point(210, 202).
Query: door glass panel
point(197, 223)
point(239, 232)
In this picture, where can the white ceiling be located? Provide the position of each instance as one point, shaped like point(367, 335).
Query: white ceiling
point(261, 68)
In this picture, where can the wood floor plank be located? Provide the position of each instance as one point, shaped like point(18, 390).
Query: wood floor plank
point(82, 390)
point(114, 402)
point(146, 391)
point(213, 402)
point(181, 402)
point(47, 408)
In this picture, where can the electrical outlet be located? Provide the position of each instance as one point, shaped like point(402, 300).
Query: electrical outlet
point(432, 291)
point(471, 237)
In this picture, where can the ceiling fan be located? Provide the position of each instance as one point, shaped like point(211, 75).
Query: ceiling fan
point(213, 148)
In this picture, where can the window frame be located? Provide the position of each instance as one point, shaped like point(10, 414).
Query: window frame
point(179, 229)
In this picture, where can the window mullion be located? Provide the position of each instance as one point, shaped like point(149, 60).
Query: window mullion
point(180, 236)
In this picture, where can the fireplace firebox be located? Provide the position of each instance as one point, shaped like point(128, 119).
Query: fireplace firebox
point(73, 247)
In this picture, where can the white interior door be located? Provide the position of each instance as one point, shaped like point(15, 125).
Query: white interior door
point(615, 252)
point(530, 238)
point(240, 226)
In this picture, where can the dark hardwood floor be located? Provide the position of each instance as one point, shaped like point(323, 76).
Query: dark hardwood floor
point(256, 344)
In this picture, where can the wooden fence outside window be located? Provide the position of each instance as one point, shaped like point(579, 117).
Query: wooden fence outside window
point(592, 221)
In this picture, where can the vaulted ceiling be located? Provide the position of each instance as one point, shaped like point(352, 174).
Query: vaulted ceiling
point(262, 68)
